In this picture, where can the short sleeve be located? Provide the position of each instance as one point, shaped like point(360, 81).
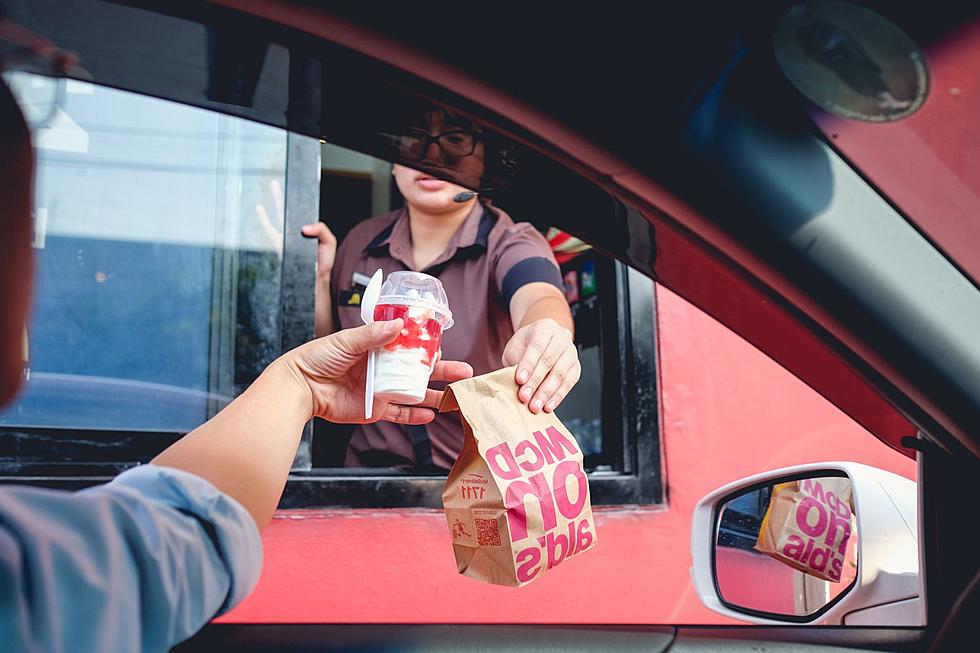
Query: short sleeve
point(141, 563)
point(523, 256)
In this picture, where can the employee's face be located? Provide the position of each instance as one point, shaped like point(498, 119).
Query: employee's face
point(427, 192)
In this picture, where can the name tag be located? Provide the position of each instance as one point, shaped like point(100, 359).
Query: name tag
point(358, 279)
point(350, 297)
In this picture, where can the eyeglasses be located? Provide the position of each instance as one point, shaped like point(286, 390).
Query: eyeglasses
point(456, 143)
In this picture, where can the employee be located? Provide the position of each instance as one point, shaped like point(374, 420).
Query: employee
point(503, 284)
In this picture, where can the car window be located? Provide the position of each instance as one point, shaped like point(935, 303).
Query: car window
point(166, 283)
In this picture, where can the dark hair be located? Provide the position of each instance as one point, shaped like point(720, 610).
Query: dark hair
point(501, 160)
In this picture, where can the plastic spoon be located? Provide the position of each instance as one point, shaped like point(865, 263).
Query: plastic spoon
point(368, 301)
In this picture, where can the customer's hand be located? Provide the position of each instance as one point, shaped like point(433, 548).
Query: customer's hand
point(547, 364)
point(334, 369)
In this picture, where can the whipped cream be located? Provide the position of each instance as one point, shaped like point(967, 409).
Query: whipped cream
point(402, 375)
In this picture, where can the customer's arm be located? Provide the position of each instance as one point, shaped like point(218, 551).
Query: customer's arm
point(247, 449)
point(143, 562)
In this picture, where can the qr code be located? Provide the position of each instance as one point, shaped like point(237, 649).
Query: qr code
point(487, 532)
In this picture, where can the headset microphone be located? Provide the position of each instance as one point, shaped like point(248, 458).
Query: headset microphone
point(464, 197)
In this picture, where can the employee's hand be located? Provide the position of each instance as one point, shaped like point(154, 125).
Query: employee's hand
point(547, 364)
point(326, 250)
point(333, 368)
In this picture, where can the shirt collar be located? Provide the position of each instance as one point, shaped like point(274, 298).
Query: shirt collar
point(469, 241)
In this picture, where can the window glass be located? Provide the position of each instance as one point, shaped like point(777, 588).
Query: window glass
point(742, 519)
point(158, 237)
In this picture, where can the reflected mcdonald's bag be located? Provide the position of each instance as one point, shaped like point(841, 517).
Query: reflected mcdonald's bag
point(808, 526)
point(517, 499)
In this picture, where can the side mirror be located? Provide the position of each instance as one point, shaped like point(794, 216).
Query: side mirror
point(827, 543)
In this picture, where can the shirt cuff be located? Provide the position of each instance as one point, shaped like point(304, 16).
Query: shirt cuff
point(230, 526)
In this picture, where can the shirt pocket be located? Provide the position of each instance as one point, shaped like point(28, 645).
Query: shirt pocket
point(350, 316)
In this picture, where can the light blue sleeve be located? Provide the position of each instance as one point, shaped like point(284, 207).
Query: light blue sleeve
point(138, 564)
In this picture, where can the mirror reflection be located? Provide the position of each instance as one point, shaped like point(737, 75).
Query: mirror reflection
point(788, 549)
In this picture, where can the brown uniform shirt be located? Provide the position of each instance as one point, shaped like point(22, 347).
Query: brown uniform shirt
point(488, 259)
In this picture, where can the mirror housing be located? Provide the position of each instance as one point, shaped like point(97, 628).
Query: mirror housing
point(887, 590)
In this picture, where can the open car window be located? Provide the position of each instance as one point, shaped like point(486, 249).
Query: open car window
point(237, 65)
point(171, 269)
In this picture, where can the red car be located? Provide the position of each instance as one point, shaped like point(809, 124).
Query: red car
point(774, 267)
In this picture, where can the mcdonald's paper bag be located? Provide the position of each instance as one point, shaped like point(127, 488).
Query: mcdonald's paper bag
point(517, 499)
point(808, 526)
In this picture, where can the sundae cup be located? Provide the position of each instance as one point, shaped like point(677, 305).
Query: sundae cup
point(402, 368)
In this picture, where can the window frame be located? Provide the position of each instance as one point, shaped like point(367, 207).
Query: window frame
point(301, 200)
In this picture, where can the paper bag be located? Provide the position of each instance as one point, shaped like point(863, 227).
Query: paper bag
point(808, 526)
point(517, 499)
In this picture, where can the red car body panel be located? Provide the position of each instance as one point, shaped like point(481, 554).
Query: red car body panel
point(929, 163)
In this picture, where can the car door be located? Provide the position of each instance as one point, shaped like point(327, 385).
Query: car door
point(808, 279)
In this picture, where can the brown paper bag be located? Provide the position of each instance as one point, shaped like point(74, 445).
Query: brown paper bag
point(517, 499)
point(808, 526)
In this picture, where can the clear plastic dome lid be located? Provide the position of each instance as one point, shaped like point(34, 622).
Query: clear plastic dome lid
point(417, 289)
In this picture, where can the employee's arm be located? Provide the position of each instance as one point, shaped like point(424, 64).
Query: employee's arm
point(542, 347)
point(247, 449)
point(326, 253)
